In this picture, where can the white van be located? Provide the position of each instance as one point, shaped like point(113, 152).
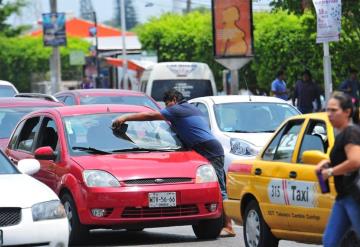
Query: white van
point(191, 79)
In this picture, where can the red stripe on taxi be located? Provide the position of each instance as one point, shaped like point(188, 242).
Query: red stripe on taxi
point(241, 168)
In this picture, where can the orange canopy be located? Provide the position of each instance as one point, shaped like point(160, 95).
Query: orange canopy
point(117, 62)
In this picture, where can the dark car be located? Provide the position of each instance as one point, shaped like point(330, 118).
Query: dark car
point(106, 96)
point(12, 109)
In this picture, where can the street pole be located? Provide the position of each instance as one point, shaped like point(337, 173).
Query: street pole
point(55, 64)
point(327, 71)
point(97, 80)
point(123, 31)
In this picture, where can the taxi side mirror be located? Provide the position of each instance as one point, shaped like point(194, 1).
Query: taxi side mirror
point(313, 157)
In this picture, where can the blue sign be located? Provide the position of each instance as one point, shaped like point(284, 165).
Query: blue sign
point(54, 29)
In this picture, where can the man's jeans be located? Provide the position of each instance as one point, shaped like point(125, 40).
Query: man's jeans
point(345, 214)
point(218, 164)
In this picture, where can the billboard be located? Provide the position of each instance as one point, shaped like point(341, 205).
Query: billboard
point(54, 33)
point(232, 28)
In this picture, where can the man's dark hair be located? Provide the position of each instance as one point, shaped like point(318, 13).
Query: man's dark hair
point(173, 94)
point(307, 72)
point(280, 73)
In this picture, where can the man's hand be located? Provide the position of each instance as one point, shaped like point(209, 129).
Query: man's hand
point(118, 122)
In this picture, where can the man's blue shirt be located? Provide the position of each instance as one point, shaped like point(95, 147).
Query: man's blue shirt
point(279, 86)
point(192, 128)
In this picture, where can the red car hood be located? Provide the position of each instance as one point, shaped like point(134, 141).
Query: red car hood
point(145, 165)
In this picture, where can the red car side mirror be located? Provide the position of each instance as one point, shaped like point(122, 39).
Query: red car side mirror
point(45, 153)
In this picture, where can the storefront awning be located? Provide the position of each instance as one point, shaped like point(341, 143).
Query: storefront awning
point(117, 62)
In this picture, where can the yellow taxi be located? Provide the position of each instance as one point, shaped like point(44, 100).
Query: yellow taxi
point(277, 195)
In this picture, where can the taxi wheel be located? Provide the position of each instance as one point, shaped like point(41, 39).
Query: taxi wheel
point(208, 229)
point(78, 232)
point(256, 231)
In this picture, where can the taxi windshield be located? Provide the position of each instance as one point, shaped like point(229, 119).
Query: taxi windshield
point(252, 117)
point(93, 134)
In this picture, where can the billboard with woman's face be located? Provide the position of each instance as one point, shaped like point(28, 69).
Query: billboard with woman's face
point(232, 28)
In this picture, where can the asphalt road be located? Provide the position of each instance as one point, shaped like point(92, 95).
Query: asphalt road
point(182, 236)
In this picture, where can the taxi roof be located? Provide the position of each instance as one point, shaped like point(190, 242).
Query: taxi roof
point(102, 108)
point(316, 115)
point(26, 102)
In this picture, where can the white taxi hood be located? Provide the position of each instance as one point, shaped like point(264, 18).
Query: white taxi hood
point(20, 190)
point(257, 139)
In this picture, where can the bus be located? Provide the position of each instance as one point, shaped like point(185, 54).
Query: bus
point(192, 79)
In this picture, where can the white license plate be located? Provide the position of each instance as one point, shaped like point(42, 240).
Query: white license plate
point(162, 199)
point(1, 238)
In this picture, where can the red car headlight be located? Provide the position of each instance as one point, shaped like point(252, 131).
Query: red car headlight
point(206, 174)
point(98, 178)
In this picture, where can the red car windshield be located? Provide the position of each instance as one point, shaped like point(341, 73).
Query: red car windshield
point(116, 99)
point(88, 133)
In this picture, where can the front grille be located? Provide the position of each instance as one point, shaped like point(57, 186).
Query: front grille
point(146, 212)
point(157, 181)
point(10, 216)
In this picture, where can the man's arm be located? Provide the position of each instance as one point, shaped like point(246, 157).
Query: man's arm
point(141, 116)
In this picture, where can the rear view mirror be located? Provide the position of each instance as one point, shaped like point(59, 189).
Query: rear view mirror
point(313, 157)
point(45, 153)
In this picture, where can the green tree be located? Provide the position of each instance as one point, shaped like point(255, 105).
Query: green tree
point(25, 58)
point(181, 38)
point(8, 8)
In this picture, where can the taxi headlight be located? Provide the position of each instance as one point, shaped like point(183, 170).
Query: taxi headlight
point(97, 178)
point(206, 174)
point(241, 147)
point(48, 210)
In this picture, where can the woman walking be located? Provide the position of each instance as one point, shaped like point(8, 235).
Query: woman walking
point(344, 164)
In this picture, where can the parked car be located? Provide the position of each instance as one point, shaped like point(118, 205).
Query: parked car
point(7, 89)
point(277, 195)
point(143, 177)
point(31, 214)
point(106, 96)
point(243, 123)
point(13, 109)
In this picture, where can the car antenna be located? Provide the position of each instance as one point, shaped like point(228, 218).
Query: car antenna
point(247, 87)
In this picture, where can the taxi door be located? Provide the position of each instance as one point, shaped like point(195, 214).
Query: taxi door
point(310, 208)
point(272, 173)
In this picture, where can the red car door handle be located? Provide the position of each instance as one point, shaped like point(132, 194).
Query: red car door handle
point(13, 160)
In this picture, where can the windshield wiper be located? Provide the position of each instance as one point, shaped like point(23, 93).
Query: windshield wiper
point(91, 150)
point(139, 149)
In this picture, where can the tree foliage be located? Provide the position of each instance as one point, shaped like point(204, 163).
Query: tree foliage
point(181, 38)
point(25, 58)
point(8, 8)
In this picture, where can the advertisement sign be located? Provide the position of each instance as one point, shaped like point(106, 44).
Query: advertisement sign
point(328, 13)
point(77, 58)
point(232, 28)
point(54, 29)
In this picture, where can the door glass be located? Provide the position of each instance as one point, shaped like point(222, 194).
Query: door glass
point(49, 134)
point(28, 134)
point(283, 145)
point(204, 110)
point(69, 100)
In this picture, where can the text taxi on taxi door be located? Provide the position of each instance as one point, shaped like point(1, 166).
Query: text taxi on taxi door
point(277, 195)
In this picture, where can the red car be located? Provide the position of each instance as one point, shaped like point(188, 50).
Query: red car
point(106, 96)
point(12, 109)
point(141, 177)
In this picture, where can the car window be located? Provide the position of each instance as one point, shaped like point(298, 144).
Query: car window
point(28, 134)
point(202, 107)
point(61, 98)
point(94, 131)
point(69, 100)
point(5, 165)
point(15, 136)
point(48, 134)
point(7, 91)
point(141, 100)
point(315, 138)
point(282, 146)
point(239, 116)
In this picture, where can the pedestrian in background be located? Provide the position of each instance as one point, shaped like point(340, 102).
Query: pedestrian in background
point(344, 165)
point(278, 86)
point(87, 83)
point(351, 86)
point(305, 93)
point(192, 128)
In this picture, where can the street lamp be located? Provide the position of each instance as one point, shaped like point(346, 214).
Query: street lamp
point(93, 31)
